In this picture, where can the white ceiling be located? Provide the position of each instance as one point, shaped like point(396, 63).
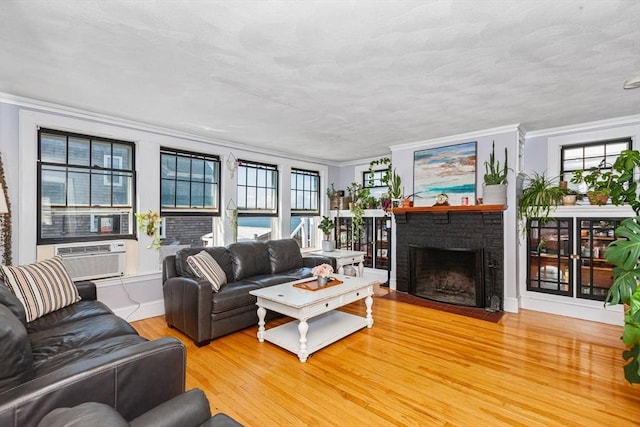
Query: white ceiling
point(335, 80)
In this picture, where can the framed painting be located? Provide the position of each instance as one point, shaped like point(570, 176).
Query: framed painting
point(450, 170)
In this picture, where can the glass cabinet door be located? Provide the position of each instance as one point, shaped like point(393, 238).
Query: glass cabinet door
point(595, 275)
point(382, 243)
point(343, 233)
point(365, 243)
point(550, 248)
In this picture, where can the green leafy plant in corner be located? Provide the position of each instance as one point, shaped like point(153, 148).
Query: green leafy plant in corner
point(624, 254)
point(390, 178)
point(494, 173)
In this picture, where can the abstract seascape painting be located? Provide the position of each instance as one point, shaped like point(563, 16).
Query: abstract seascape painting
point(450, 170)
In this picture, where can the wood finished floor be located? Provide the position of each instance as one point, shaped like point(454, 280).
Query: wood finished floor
point(421, 367)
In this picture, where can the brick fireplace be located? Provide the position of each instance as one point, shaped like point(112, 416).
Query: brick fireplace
point(476, 229)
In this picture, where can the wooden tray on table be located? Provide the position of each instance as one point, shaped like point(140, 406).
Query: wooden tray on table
point(312, 285)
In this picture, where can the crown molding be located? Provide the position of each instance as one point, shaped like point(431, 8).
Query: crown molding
point(588, 126)
point(458, 137)
point(78, 113)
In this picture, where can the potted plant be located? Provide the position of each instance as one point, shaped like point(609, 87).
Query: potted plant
point(569, 196)
point(538, 196)
point(326, 226)
point(334, 197)
point(494, 190)
point(601, 182)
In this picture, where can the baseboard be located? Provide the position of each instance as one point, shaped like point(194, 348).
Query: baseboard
point(594, 312)
point(143, 311)
point(511, 305)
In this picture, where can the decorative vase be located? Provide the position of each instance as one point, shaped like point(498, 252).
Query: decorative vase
point(328, 246)
point(494, 194)
point(322, 281)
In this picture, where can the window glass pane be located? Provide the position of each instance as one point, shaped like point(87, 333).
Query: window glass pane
point(184, 168)
point(78, 185)
point(53, 186)
point(616, 148)
point(123, 183)
point(210, 171)
point(242, 175)
point(197, 195)
point(53, 148)
point(209, 194)
point(168, 196)
point(101, 154)
point(594, 151)
point(123, 152)
point(573, 153)
point(197, 170)
point(592, 163)
point(100, 188)
point(79, 151)
point(182, 194)
point(572, 165)
point(242, 197)
point(251, 176)
point(167, 166)
point(252, 198)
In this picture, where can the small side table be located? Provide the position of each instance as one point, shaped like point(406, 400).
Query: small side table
point(343, 258)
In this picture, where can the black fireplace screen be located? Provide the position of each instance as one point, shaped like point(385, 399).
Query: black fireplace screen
point(454, 276)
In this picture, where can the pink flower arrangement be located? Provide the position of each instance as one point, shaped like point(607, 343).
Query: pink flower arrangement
point(322, 270)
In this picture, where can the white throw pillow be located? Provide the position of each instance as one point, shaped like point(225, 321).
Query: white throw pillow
point(205, 267)
point(42, 287)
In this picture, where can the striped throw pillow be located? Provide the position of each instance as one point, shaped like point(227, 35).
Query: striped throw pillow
point(205, 267)
point(41, 287)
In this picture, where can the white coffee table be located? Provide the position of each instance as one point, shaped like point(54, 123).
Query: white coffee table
point(344, 257)
point(318, 322)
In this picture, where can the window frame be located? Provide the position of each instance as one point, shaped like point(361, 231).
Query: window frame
point(315, 193)
point(257, 212)
point(565, 174)
point(191, 211)
point(91, 170)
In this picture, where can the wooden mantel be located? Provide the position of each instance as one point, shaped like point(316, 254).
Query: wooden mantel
point(447, 209)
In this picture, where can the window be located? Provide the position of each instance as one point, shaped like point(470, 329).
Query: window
point(305, 193)
point(590, 155)
point(305, 206)
point(374, 182)
point(189, 196)
point(190, 183)
point(85, 187)
point(257, 189)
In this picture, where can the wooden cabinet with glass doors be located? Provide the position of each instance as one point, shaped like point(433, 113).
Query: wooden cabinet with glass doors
point(374, 239)
point(560, 256)
point(550, 248)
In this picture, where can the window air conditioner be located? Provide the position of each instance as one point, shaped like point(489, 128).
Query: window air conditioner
point(87, 261)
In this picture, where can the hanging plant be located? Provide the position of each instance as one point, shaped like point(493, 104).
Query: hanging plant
point(149, 223)
point(5, 220)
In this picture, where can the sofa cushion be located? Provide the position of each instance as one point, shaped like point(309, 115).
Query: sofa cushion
point(42, 287)
point(220, 254)
point(284, 255)
point(205, 267)
point(249, 259)
point(232, 296)
point(84, 414)
point(15, 350)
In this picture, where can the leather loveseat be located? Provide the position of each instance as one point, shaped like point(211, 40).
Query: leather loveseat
point(190, 409)
point(77, 354)
point(193, 307)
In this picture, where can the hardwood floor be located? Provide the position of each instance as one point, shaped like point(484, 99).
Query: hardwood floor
point(421, 367)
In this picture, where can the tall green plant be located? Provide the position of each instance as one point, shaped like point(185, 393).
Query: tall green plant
point(494, 174)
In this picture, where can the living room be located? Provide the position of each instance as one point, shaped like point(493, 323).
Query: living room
point(534, 139)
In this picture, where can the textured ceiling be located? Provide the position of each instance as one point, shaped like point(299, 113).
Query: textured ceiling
point(336, 80)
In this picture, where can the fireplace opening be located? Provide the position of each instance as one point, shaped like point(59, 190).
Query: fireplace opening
point(454, 276)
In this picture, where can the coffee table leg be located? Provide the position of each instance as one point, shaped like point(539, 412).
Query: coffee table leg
point(303, 327)
point(360, 269)
point(262, 312)
point(369, 303)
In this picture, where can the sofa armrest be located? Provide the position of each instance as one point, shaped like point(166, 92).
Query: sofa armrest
point(187, 306)
point(131, 380)
point(313, 260)
point(169, 268)
point(87, 290)
point(190, 409)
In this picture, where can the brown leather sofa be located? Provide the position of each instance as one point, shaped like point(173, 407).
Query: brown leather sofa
point(81, 353)
point(194, 308)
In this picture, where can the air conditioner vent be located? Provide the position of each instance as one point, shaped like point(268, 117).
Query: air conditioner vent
point(87, 261)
